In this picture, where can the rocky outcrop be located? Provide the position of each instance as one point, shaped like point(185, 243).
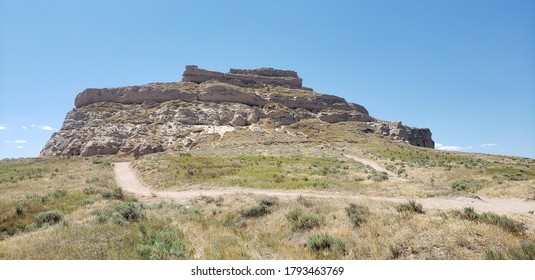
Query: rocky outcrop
point(245, 78)
point(156, 117)
point(134, 94)
point(266, 72)
point(421, 137)
point(225, 93)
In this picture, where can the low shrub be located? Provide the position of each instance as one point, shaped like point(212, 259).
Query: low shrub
point(257, 210)
point(103, 215)
point(90, 190)
point(268, 201)
point(130, 212)
point(494, 255)
point(88, 201)
point(162, 244)
point(493, 219)
point(116, 193)
point(260, 209)
point(48, 218)
point(378, 176)
point(459, 185)
point(516, 177)
point(357, 214)
point(411, 206)
point(59, 193)
point(324, 243)
point(121, 214)
point(467, 185)
point(525, 251)
point(303, 221)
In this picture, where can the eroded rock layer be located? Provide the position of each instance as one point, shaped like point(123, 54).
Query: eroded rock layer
point(160, 116)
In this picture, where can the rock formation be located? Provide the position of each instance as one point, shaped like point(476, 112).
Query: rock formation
point(245, 78)
point(159, 116)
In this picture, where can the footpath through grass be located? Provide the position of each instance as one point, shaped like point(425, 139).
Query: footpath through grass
point(265, 172)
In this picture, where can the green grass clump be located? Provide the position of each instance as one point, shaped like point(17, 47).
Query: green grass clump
point(130, 212)
point(467, 185)
point(260, 209)
point(378, 176)
point(324, 244)
point(268, 201)
point(121, 214)
point(357, 214)
point(103, 215)
point(162, 244)
point(89, 190)
point(59, 193)
point(116, 193)
point(411, 206)
point(48, 218)
point(511, 173)
point(525, 251)
point(257, 210)
point(493, 219)
point(303, 221)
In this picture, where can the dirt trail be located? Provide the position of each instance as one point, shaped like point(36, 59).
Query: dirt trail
point(127, 179)
point(371, 163)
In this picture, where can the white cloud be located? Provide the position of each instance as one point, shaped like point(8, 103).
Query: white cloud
point(441, 147)
point(46, 127)
point(24, 127)
point(2, 127)
point(21, 141)
point(8, 141)
point(43, 127)
point(488, 145)
point(19, 147)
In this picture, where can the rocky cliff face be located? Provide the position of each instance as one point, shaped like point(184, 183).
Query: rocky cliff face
point(161, 116)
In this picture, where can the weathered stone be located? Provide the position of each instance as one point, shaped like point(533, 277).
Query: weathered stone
point(146, 148)
point(198, 75)
point(102, 146)
point(268, 72)
point(238, 120)
point(132, 95)
point(227, 93)
point(415, 136)
point(151, 118)
point(344, 116)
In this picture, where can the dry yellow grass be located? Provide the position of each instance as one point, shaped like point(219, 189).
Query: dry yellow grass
point(216, 228)
point(213, 228)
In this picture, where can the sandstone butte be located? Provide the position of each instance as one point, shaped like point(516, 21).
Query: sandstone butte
point(172, 116)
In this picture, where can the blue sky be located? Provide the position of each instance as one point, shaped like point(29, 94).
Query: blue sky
point(465, 69)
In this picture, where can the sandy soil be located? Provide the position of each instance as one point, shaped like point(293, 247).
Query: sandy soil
point(128, 180)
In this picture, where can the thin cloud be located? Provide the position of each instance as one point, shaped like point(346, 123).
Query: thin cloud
point(24, 127)
point(43, 127)
point(441, 147)
point(8, 141)
point(488, 145)
point(19, 147)
point(21, 141)
point(2, 127)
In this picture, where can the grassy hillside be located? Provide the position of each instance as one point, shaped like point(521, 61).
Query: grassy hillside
point(71, 208)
